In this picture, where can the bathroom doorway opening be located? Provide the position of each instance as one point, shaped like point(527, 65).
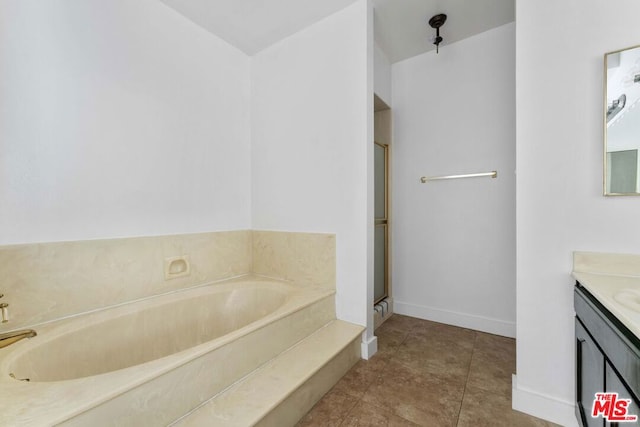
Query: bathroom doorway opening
point(383, 213)
point(382, 286)
point(381, 233)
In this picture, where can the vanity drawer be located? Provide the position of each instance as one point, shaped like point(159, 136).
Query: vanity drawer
point(614, 339)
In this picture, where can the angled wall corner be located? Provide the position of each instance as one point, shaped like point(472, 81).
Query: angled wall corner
point(309, 125)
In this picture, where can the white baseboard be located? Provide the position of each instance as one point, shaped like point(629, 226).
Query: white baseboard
point(543, 406)
point(470, 321)
point(368, 346)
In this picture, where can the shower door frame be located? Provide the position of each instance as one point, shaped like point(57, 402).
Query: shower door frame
point(384, 222)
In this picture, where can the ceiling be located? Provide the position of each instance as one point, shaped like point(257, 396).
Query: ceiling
point(252, 25)
point(401, 27)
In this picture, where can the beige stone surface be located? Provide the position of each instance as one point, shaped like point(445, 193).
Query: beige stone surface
point(125, 339)
point(69, 383)
point(614, 279)
point(303, 258)
point(46, 281)
point(287, 386)
point(606, 263)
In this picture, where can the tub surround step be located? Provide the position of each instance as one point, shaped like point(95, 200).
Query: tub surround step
point(281, 391)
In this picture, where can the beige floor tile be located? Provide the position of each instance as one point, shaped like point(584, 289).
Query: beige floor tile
point(496, 343)
point(425, 399)
point(361, 376)
point(330, 411)
point(446, 358)
point(439, 332)
point(389, 340)
point(403, 323)
point(493, 364)
point(427, 374)
point(365, 415)
point(482, 409)
point(492, 376)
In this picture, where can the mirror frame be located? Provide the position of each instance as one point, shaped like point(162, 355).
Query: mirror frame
point(604, 121)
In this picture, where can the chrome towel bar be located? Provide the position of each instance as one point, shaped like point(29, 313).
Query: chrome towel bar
point(425, 179)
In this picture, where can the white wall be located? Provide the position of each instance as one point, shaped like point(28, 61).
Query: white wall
point(118, 118)
point(559, 73)
point(454, 241)
point(382, 74)
point(312, 138)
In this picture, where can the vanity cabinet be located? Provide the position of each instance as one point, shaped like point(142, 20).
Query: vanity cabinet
point(614, 383)
point(590, 375)
point(607, 358)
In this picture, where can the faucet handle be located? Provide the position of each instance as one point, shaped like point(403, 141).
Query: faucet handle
point(4, 312)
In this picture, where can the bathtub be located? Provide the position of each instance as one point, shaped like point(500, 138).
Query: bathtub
point(152, 361)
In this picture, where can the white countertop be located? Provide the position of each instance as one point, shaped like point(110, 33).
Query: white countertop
point(614, 280)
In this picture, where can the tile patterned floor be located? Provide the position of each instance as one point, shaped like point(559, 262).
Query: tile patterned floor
point(426, 374)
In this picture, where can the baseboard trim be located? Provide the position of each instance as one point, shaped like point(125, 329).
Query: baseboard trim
point(542, 406)
point(470, 321)
point(368, 346)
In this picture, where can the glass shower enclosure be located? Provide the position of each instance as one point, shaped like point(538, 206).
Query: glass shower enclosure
point(381, 234)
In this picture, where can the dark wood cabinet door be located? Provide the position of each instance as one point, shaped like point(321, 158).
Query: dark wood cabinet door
point(589, 376)
point(613, 383)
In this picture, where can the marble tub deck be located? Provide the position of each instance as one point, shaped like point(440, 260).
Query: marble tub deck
point(426, 374)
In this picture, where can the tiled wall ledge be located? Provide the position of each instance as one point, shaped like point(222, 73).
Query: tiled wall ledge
point(47, 281)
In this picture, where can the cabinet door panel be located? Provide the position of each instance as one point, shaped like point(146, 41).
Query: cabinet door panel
point(618, 347)
point(613, 383)
point(589, 376)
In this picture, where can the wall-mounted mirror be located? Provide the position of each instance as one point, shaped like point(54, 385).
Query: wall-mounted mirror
point(622, 122)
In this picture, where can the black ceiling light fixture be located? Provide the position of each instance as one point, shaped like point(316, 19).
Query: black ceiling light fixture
point(436, 22)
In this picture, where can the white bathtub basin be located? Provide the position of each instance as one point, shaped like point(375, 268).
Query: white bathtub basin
point(150, 362)
point(135, 337)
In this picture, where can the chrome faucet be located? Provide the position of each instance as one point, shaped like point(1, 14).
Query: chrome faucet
point(9, 338)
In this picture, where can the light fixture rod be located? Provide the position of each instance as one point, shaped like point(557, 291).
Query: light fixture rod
point(436, 22)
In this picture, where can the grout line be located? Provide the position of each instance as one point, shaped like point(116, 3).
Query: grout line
point(464, 392)
point(346, 416)
point(370, 383)
point(392, 356)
